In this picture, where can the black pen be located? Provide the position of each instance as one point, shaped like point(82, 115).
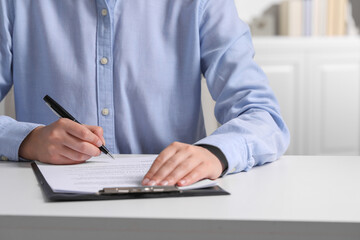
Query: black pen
point(62, 113)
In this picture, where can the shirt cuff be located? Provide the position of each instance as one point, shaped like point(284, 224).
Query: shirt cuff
point(12, 137)
point(236, 152)
point(219, 154)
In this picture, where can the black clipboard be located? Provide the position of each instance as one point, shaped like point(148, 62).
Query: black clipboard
point(55, 196)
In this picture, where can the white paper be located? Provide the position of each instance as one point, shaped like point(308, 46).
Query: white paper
point(103, 172)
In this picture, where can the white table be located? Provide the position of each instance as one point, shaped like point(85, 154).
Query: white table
point(296, 197)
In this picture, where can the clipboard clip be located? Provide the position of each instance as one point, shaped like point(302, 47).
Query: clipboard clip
point(145, 189)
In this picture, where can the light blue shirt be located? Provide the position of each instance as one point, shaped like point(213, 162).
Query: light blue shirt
point(134, 68)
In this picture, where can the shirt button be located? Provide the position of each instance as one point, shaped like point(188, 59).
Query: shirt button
point(105, 111)
point(104, 12)
point(104, 61)
point(4, 158)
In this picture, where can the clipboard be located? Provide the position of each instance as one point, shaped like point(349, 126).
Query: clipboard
point(124, 193)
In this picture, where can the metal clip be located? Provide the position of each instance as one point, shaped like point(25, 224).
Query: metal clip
point(145, 189)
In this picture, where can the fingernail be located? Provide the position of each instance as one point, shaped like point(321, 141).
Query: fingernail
point(145, 181)
point(99, 143)
point(182, 182)
point(164, 183)
point(152, 183)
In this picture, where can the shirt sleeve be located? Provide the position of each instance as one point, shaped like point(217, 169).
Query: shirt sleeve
point(6, 25)
point(253, 131)
point(12, 133)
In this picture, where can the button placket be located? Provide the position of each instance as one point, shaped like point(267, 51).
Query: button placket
point(105, 72)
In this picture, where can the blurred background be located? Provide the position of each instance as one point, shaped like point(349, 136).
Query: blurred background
point(310, 51)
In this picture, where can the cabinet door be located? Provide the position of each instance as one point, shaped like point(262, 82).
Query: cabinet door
point(285, 74)
point(334, 105)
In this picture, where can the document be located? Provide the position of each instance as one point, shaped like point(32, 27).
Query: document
point(101, 172)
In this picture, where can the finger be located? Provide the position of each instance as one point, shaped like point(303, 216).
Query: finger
point(182, 170)
point(74, 155)
point(103, 140)
point(159, 161)
point(80, 146)
point(169, 166)
point(98, 131)
point(194, 176)
point(82, 132)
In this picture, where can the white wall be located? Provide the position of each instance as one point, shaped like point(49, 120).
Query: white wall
point(249, 9)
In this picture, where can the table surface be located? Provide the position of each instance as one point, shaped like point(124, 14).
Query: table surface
point(292, 189)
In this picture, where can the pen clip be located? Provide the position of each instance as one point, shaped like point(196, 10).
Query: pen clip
point(58, 109)
point(57, 114)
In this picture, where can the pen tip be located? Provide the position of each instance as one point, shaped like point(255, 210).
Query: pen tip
point(111, 155)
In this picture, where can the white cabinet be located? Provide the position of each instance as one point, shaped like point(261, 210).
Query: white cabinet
point(317, 84)
point(335, 104)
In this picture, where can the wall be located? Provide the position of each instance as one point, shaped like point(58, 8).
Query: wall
point(250, 9)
